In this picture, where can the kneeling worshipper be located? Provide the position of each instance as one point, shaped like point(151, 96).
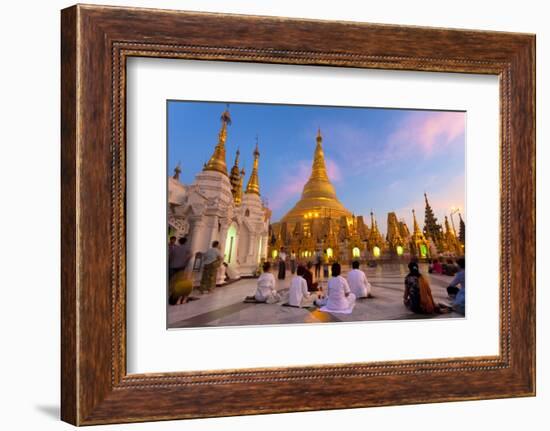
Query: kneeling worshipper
point(417, 296)
point(298, 293)
point(265, 291)
point(339, 298)
point(358, 282)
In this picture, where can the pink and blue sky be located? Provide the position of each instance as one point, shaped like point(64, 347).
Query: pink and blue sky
point(379, 159)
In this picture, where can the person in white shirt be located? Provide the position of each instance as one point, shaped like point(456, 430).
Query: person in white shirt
point(212, 260)
point(358, 283)
point(339, 297)
point(266, 292)
point(298, 294)
point(282, 264)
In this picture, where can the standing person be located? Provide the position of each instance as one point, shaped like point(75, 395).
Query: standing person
point(282, 264)
point(318, 264)
point(417, 296)
point(265, 291)
point(325, 264)
point(179, 256)
point(293, 262)
point(437, 268)
point(308, 276)
point(358, 282)
point(298, 292)
point(459, 303)
point(339, 297)
point(212, 260)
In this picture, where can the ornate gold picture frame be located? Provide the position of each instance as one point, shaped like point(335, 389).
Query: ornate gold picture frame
point(96, 41)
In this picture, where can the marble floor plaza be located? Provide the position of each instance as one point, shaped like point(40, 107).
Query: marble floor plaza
point(225, 306)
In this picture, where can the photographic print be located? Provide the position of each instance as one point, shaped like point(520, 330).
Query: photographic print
point(295, 214)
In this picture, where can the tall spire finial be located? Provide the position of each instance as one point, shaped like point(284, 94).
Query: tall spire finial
point(253, 185)
point(217, 161)
point(416, 228)
point(319, 169)
point(236, 180)
point(177, 171)
point(447, 226)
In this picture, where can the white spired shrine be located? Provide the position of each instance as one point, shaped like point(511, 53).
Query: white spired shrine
point(215, 207)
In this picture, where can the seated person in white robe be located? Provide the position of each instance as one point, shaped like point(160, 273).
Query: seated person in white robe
point(265, 291)
point(298, 294)
point(339, 297)
point(358, 282)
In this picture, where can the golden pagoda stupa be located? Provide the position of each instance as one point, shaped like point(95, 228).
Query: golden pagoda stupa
point(318, 198)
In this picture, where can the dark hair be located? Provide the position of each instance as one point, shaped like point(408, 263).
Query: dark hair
point(413, 268)
point(301, 270)
point(173, 238)
point(215, 244)
point(266, 266)
point(461, 262)
point(450, 261)
point(336, 269)
point(183, 240)
point(355, 264)
point(309, 264)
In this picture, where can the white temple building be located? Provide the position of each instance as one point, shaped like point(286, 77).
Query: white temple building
point(215, 207)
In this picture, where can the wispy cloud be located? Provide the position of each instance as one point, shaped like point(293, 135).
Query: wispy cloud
point(427, 133)
point(418, 134)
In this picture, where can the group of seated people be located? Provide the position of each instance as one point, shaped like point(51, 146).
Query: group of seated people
point(340, 296)
point(449, 267)
point(418, 298)
point(341, 293)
